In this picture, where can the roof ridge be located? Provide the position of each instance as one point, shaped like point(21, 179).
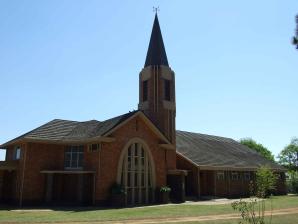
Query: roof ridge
point(207, 135)
point(130, 112)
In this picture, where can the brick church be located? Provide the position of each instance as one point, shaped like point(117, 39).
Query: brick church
point(74, 162)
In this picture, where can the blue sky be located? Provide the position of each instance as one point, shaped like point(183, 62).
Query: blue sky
point(236, 71)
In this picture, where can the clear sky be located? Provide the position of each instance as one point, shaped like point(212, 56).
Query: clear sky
point(236, 70)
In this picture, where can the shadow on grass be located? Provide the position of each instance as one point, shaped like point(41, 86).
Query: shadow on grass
point(69, 208)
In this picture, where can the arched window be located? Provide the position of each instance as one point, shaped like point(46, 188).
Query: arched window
point(137, 174)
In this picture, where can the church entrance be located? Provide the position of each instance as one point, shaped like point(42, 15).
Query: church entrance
point(137, 174)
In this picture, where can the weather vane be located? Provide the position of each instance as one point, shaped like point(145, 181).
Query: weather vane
point(156, 9)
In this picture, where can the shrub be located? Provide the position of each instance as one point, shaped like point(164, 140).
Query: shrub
point(165, 189)
point(265, 182)
point(253, 211)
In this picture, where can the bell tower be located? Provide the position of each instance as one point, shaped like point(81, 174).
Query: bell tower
point(157, 86)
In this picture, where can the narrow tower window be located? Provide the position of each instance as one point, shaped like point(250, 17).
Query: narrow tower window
point(145, 90)
point(167, 92)
point(17, 153)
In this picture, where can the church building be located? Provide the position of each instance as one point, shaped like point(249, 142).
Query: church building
point(71, 162)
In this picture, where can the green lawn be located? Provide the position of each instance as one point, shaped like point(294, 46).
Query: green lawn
point(98, 214)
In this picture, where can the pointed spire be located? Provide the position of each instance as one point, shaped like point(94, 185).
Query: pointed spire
point(156, 54)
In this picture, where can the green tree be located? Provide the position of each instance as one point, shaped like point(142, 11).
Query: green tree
point(288, 157)
point(292, 182)
point(257, 147)
point(265, 182)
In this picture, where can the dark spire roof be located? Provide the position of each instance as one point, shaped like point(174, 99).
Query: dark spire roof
point(156, 54)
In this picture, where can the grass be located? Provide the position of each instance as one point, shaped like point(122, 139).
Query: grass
point(98, 214)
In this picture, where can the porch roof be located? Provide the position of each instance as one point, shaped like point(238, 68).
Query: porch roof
point(9, 165)
point(68, 171)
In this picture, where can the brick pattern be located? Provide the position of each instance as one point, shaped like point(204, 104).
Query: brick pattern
point(110, 154)
point(211, 185)
point(40, 157)
point(164, 118)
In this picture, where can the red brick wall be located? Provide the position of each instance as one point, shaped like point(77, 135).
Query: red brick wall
point(161, 118)
point(110, 153)
point(47, 157)
point(17, 174)
point(40, 157)
point(192, 176)
point(51, 157)
point(210, 185)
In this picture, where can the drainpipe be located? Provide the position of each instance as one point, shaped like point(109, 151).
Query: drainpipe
point(23, 176)
point(98, 175)
point(199, 183)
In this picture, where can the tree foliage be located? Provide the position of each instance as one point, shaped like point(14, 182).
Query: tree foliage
point(265, 182)
point(257, 147)
point(288, 157)
point(292, 182)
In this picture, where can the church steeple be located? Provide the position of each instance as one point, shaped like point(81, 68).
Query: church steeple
point(156, 54)
point(157, 86)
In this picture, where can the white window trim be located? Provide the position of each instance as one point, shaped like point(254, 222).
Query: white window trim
point(220, 175)
point(247, 176)
point(71, 159)
point(233, 177)
point(149, 169)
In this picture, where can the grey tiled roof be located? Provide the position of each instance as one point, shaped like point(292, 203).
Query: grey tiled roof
point(214, 151)
point(65, 130)
point(203, 150)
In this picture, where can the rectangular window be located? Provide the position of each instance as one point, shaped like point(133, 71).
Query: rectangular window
point(94, 147)
point(246, 176)
point(145, 90)
point(167, 90)
point(220, 175)
point(235, 176)
point(73, 157)
point(17, 153)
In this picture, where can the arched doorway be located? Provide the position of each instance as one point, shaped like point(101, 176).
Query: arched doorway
point(136, 173)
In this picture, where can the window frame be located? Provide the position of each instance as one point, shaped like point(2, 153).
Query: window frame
point(136, 174)
point(73, 150)
point(247, 176)
point(167, 90)
point(145, 90)
point(17, 153)
point(220, 175)
point(96, 149)
point(233, 177)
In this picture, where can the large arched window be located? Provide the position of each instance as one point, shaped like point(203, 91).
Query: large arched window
point(136, 173)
